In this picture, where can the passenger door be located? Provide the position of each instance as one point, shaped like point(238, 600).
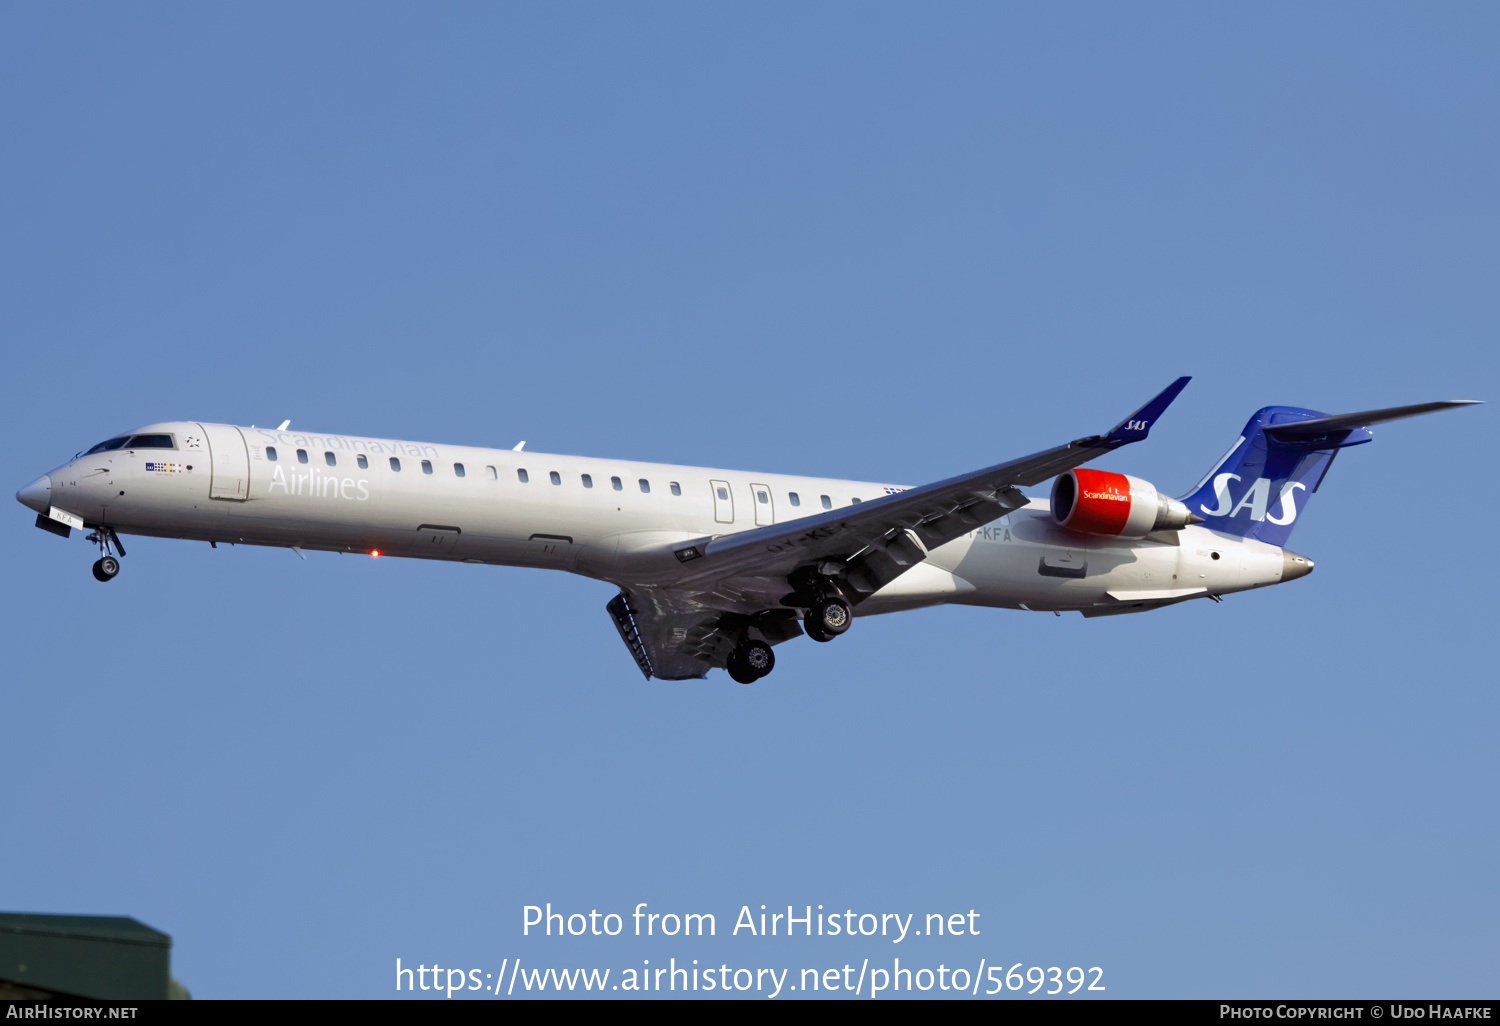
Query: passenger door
point(229, 460)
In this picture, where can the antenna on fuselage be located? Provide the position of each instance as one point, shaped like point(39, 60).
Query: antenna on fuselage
point(284, 425)
point(519, 446)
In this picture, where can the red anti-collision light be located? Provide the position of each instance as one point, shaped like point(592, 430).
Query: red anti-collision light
point(374, 552)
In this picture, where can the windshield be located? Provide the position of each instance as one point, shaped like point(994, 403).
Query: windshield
point(113, 443)
point(133, 442)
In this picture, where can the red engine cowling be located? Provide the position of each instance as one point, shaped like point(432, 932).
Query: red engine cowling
point(1101, 502)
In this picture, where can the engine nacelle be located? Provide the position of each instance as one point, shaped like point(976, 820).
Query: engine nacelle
point(1101, 502)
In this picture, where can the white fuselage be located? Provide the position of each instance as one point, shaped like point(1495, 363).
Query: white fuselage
point(597, 517)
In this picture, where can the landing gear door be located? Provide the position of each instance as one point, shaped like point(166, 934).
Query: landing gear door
point(765, 509)
point(723, 502)
point(230, 460)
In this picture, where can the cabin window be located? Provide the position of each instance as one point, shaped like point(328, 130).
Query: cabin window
point(363, 461)
point(152, 442)
point(676, 488)
point(522, 476)
point(588, 480)
point(330, 459)
point(458, 470)
point(827, 502)
point(301, 455)
point(724, 493)
point(794, 498)
point(761, 496)
point(395, 464)
point(555, 477)
point(491, 473)
point(271, 453)
point(615, 481)
point(426, 466)
point(645, 486)
point(112, 444)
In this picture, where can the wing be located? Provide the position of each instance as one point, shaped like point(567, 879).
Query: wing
point(688, 619)
point(677, 634)
point(867, 546)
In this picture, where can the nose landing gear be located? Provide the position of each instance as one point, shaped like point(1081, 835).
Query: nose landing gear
point(107, 566)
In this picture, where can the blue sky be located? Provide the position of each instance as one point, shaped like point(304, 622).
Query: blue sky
point(875, 241)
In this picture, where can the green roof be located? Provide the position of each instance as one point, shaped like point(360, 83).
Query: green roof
point(89, 956)
point(121, 929)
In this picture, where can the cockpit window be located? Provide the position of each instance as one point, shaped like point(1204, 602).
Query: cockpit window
point(151, 442)
point(113, 443)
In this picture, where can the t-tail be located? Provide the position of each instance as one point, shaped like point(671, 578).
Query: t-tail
point(1264, 481)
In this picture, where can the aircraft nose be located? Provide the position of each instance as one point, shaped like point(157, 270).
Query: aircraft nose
point(37, 495)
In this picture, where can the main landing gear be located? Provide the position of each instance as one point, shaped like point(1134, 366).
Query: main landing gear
point(827, 618)
point(828, 615)
point(107, 566)
point(750, 662)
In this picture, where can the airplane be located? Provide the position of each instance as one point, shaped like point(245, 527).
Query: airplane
point(714, 567)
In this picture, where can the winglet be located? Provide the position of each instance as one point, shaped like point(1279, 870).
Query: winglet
point(1137, 426)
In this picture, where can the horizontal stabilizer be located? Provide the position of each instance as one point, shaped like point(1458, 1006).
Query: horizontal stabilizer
point(1302, 429)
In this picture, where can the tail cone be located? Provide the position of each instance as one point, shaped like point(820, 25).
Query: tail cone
point(1294, 566)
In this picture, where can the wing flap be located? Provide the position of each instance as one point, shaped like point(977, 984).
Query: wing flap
point(624, 619)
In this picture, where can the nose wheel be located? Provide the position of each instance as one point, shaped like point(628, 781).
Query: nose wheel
point(106, 567)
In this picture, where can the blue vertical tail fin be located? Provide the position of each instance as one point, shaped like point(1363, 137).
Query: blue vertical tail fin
point(1261, 485)
point(1263, 482)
